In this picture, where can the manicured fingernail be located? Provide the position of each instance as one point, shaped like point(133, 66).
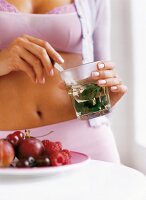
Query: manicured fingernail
point(61, 59)
point(52, 72)
point(95, 74)
point(101, 82)
point(113, 88)
point(100, 65)
point(42, 81)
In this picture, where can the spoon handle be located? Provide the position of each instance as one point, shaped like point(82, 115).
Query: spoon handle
point(58, 67)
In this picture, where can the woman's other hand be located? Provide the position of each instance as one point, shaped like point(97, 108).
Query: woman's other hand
point(30, 55)
point(106, 76)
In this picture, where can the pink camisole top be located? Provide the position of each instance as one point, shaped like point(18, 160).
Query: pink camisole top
point(60, 27)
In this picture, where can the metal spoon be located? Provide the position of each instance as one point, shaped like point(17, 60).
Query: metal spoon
point(58, 67)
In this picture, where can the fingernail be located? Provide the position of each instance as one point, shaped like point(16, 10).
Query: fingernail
point(95, 74)
point(101, 82)
point(100, 65)
point(113, 88)
point(42, 81)
point(61, 59)
point(51, 72)
point(36, 81)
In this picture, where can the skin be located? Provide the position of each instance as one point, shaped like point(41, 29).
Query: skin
point(32, 93)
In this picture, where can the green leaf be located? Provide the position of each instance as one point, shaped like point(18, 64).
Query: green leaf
point(90, 92)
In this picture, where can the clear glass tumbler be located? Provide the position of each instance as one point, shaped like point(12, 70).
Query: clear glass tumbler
point(89, 100)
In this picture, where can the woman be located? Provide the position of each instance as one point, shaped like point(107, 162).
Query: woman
point(33, 34)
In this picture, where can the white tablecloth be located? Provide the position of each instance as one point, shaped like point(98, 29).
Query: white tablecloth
point(96, 180)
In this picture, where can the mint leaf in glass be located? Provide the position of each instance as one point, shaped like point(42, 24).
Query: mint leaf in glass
point(89, 100)
point(90, 92)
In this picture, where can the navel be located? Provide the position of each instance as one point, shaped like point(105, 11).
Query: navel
point(39, 114)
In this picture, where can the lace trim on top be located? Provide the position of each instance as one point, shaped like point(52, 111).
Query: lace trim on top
point(68, 8)
point(7, 7)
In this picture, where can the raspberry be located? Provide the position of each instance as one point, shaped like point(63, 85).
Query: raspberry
point(59, 145)
point(67, 156)
point(57, 159)
point(45, 143)
point(51, 147)
point(57, 155)
point(67, 152)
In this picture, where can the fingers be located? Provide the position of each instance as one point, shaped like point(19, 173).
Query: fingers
point(115, 85)
point(103, 65)
point(104, 70)
point(108, 82)
point(25, 67)
point(107, 77)
point(34, 63)
point(39, 52)
point(51, 52)
point(119, 88)
point(103, 74)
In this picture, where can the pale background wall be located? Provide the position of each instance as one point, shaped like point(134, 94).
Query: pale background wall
point(121, 55)
point(123, 41)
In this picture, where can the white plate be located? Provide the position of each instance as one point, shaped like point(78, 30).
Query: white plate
point(77, 160)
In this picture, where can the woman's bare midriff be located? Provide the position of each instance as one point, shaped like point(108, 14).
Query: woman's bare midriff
point(24, 104)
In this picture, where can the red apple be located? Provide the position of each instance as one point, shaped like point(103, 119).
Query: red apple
point(30, 147)
point(7, 153)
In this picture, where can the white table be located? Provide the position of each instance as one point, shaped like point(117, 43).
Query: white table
point(96, 180)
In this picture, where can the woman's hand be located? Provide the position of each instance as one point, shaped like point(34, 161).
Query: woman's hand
point(30, 55)
point(106, 76)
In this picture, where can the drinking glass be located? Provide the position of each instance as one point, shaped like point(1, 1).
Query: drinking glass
point(89, 100)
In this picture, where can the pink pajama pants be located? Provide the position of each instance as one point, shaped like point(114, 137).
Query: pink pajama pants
point(77, 135)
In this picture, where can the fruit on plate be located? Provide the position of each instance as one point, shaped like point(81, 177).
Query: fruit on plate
point(30, 151)
point(43, 161)
point(26, 163)
point(16, 137)
point(30, 147)
point(6, 153)
point(58, 156)
point(51, 147)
